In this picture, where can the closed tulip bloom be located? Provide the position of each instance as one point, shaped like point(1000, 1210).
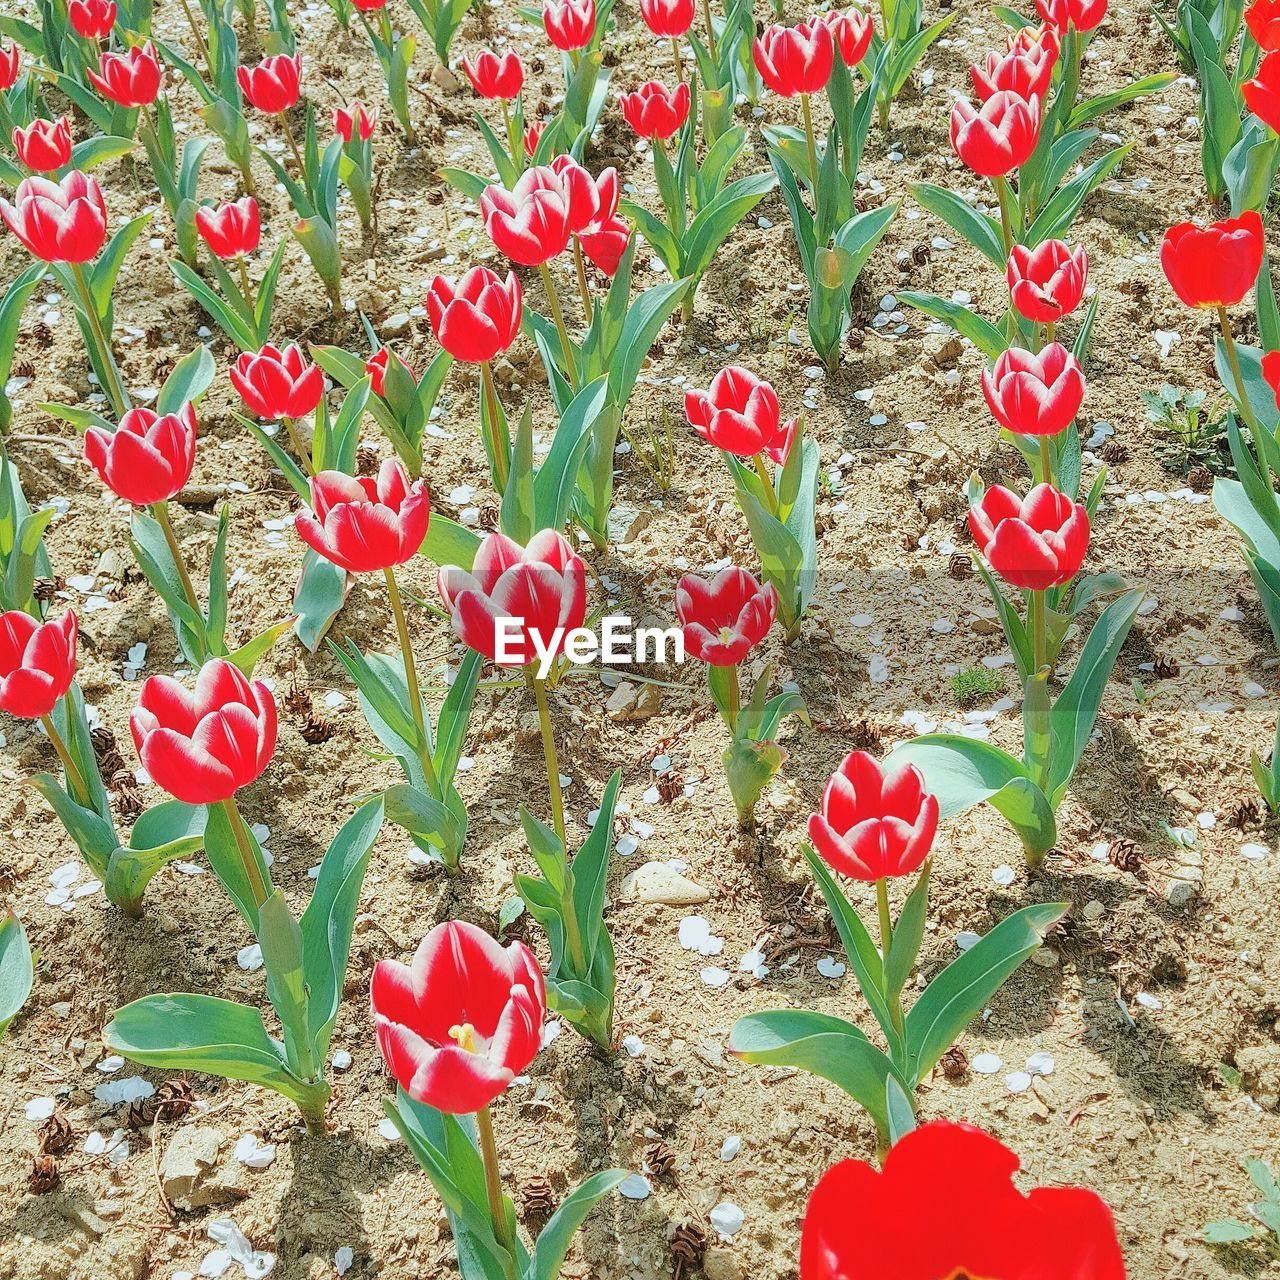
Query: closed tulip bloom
point(795, 59)
point(278, 384)
point(1084, 15)
point(355, 121)
point(654, 111)
point(1262, 93)
point(148, 457)
point(58, 221)
point(479, 317)
point(1047, 282)
point(529, 224)
point(944, 1204)
point(1035, 395)
point(202, 747)
point(365, 525)
point(590, 199)
point(10, 64)
point(1263, 20)
point(999, 136)
point(495, 77)
point(376, 367)
point(232, 229)
point(37, 662)
point(1033, 543)
point(44, 145)
point(369, 6)
point(514, 592)
point(92, 19)
point(1271, 372)
point(570, 24)
point(739, 413)
point(274, 84)
point(875, 822)
point(605, 242)
point(533, 135)
point(1213, 266)
point(458, 1025)
point(668, 19)
point(852, 30)
point(129, 79)
point(724, 619)
point(1026, 69)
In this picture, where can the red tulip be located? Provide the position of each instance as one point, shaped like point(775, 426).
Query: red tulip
point(1034, 542)
point(724, 619)
point(1271, 372)
point(533, 135)
point(355, 121)
point(1084, 15)
point(44, 145)
point(10, 64)
point(1026, 69)
point(513, 594)
point(590, 199)
point(739, 413)
point(274, 84)
point(605, 242)
point(531, 223)
point(92, 19)
point(376, 367)
point(494, 77)
point(147, 458)
point(369, 6)
point(1262, 93)
point(203, 747)
point(1213, 266)
point(129, 79)
point(668, 19)
point(232, 229)
point(478, 318)
point(795, 59)
point(945, 1204)
point(458, 1025)
point(1047, 282)
point(654, 111)
point(278, 384)
point(851, 30)
point(37, 662)
point(365, 525)
point(1263, 20)
point(999, 136)
point(58, 221)
point(570, 24)
point(1035, 395)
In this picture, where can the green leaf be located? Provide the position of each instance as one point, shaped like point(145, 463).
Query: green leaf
point(225, 315)
point(979, 230)
point(554, 1239)
point(12, 304)
point(16, 970)
point(902, 1116)
point(968, 324)
point(318, 598)
point(110, 261)
point(1229, 1231)
point(908, 934)
point(1060, 211)
point(449, 543)
point(188, 381)
point(224, 857)
point(424, 816)
point(1091, 108)
point(591, 869)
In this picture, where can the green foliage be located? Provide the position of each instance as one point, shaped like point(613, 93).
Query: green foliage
point(16, 969)
point(974, 683)
point(1266, 1212)
point(1194, 438)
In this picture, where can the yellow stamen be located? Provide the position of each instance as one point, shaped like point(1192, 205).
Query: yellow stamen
point(726, 635)
point(465, 1035)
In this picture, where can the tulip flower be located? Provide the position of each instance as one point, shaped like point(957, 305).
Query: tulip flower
point(1262, 18)
point(1033, 543)
point(797, 60)
point(457, 1025)
point(44, 145)
point(130, 79)
point(605, 242)
point(376, 367)
point(495, 77)
point(852, 31)
point(739, 413)
point(355, 121)
point(945, 1204)
point(724, 619)
point(593, 204)
point(92, 19)
point(653, 111)
point(999, 136)
point(1025, 70)
point(1271, 372)
point(1262, 93)
point(231, 230)
point(148, 458)
point(37, 663)
point(280, 385)
point(10, 64)
point(1035, 395)
point(1047, 282)
point(532, 136)
point(669, 20)
point(570, 24)
point(273, 87)
point(1083, 15)
point(369, 6)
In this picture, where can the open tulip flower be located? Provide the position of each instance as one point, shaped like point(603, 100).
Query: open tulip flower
point(149, 456)
point(37, 665)
point(1025, 69)
point(570, 24)
point(863, 1222)
point(797, 61)
point(593, 221)
point(724, 619)
point(231, 230)
point(92, 19)
point(654, 111)
point(501, 79)
point(44, 145)
point(669, 20)
point(130, 79)
point(739, 414)
point(1035, 395)
point(274, 87)
point(280, 386)
point(1047, 282)
point(1262, 93)
point(852, 31)
point(1033, 543)
point(999, 136)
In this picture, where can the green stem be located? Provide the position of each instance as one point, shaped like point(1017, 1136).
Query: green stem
point(886, 940)
point(515, 140)
point(1046, 461)
point(411, 679)
point(762, 471)
point(299, 446)
point(75, 781)
point(499, 448)
point(293, 146)
point(584, 289)
point(198, 36)
point(735, 699)
point(675, 57)
point(114, 388)
point(1233, 359)
point(1004, 195)
point(809, 140)
point(1039, 633)
point(711, 31)
point(160, 510)
point(566, 347)
point(252, 867)
point(493, 1189)
point(1050, 328)
point(246, 285)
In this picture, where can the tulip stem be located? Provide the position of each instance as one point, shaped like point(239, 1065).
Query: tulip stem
point(514, 138)
point(566, 347)
point(711, 30)
point(198, 35)
point(1233, 359)
point(812, 145)
point(584, 290)
point(1039, 633)
point(499, 440)
point(304, 454)
point(886, 941)
point(735, 699)
point(246, 286)
point(75, 780)
point(253, 869)
point(1046, 461)
point(160, 510)
point(679, 62)
point(1050, 329)
point(493, 1189)
point(1005, 196)
point(763, 472)
point(549, 755)
point(411, 679)
point(293, 146)
point(114, 388)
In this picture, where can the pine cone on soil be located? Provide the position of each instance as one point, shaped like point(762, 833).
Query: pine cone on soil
point(537, 1198)
point(171, 1101)
point(866, 736)
point(1248, 813)
point(1125, 855)
point(670, 786)
point(954, 1063)
point(316, 729)
point(1165, 668)
point(688, 1242)
point(55, 1135)
point(960, 566)
point(659, 1159)
point(44, 1176)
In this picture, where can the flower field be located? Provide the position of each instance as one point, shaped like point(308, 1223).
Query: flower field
point(909, 378)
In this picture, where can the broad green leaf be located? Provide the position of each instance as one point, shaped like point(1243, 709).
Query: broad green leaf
point(968, 324)
point(554, 1239)
point(16, 969)
point(979, 230)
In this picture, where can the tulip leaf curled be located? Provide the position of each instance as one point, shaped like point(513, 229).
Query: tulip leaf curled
point(552, 1244)
point(968, 324)
point(16, 969)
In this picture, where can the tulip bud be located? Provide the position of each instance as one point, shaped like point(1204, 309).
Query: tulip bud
point(533, 135)
point(997, 138)
point(724, 619)
point(1033, 543)
point(797, 59)
point(1084, 15)
point(92, 19)
point(1035, 395)
point(739, 413)
point(278, 384)
point(355, 121)
point(494, 77)
point(667, 19)
point(231, 230)
point(274, 84)
point(58, 221)
point(570, 24)
point(653, 111)
point(852, 31)
point(129, 79)
point(147, 458)
point(478, 318)
point(1047, 282)
point(1213, 266)
point(10, 64)
point(37, 662)
point(376, 367)
point(1025, 70)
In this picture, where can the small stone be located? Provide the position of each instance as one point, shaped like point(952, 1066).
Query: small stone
point(187, 1170)
point(396, 326)
point(661, 883)
point(720, 1264)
